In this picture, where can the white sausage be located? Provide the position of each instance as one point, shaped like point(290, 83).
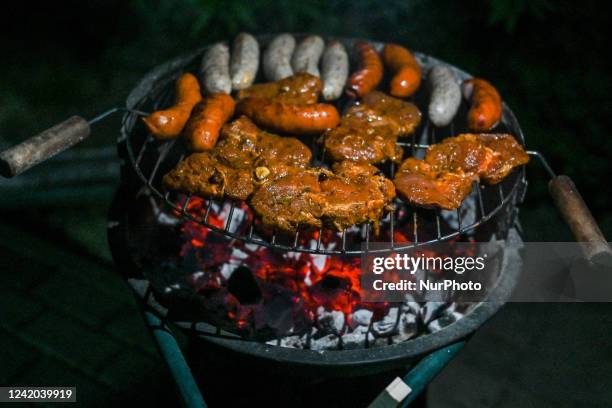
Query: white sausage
point(334, 70)
point(245, 61)
point(445, 95)
point(307, 54)
point(215, 69)
point(277, 57)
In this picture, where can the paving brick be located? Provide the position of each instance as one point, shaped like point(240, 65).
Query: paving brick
point(15, 356)
point(130, 327)
point(17, 271)
point(131, 369)
point(84, 300)
point(51, 255)
point(72, 341)
point(16, 307)
point(88, 227)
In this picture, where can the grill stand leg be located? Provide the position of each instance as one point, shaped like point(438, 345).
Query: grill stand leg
point(170, 351)
point(402, 392)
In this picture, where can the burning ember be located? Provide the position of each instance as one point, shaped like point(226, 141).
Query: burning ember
point(252, 277)
point(293, 299)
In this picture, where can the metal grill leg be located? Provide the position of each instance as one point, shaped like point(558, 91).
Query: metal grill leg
point(405, 391)
point(170, 351)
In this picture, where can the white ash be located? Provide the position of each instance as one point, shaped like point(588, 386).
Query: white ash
point(407, 328)
point(431, 310)
point(361, 317)
point(415, 319)
point(387, 324)
point(329, 342)
point(355, 339)
point(446, 319)
point(330, 322)
point(319, 261)
point(290, 341)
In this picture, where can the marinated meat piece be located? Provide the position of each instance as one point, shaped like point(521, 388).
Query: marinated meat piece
point(363, 136)
point(351, 169)
point(508, 154)
point(243, 156)
point(404, 116)
point(359, 198)
point(279, 150)
point(362, 143)
point(421, 184)
point(490, 156)
point(313, 197)
point(292, 197)
point(444, 177)
point(202, 174)
point(237, 146)
point(368, 132)
point(301, 88)
point(244, 145)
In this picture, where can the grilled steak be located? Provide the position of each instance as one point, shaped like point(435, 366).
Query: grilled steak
point(424, 185)
point(204, 175)
point(315, 196)
point(491, 156)
point(443, 179)
point(369, 132)
point(242, 157)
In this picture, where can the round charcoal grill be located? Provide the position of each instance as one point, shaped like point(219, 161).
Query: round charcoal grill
point(492, 214)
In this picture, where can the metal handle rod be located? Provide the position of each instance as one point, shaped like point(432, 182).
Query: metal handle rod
point(27, 154)
point(190, 393)
point(577, 216)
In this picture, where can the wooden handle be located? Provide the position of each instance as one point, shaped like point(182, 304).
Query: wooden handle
point(43, 146)
point(580, 220)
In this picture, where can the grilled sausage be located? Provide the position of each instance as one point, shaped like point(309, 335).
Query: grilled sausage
point(244, 62)
point(168, 123)
point(370, 71)
point(334, 70)
point(290, 117)
point(407, 71)
point(277, 57)
point(307, 54)
point(445, 95)
point(207, 118)
point(215, 69)
point(485, 104)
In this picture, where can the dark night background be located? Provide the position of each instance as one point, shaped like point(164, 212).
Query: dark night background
point(549, 60)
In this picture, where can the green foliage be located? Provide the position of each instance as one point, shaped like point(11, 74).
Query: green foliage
point(508, 12)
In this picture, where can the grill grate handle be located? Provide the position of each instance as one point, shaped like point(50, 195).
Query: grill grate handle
point(580, 220)
point(43, 146)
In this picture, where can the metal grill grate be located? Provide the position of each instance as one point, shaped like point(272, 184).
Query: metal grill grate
point(149, 156)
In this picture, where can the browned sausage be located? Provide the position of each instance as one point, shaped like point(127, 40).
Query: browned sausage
point(168, 123)
point(290, 117)
point(207, 118)
point(485, 104)
point(407, 71)
point(369, 74)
